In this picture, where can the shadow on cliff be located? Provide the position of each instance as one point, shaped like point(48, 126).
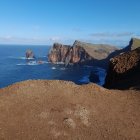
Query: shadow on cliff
point(128, 76)
point(129, 79)
point(104, 63)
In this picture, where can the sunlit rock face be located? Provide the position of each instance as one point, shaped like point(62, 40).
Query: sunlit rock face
point(68, 54)
point(134, 43)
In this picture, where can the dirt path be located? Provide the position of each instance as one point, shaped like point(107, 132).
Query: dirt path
point(49, 110)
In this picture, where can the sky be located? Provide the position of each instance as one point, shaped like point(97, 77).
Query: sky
point(48, 21)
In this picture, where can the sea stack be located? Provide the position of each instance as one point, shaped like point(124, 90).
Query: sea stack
point(29, 54)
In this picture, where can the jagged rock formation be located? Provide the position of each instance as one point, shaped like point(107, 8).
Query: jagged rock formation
point(134, 43)
point(30, 54)
point(124, 70)
point(68, 54)
point(80, 52)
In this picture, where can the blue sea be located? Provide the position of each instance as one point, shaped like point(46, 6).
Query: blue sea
point(14, 67)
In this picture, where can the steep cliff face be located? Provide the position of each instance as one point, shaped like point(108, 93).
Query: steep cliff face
point(58, 53)
point(96, 51)
point(68, 54)
point(124, 71)
point(79, 52)
point(134, 43)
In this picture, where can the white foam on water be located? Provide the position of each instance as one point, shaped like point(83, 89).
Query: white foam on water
point(53, 68)
point(21, 64)
point(85, 79)
point(63, 68)
point(22, 58)
point(31, 63)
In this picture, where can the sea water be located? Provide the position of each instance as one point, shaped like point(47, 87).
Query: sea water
point(14, 67)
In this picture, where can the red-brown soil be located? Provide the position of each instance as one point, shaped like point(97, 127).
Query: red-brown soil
point(49, 110)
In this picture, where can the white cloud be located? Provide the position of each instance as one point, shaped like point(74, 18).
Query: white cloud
point(114, 35)
point(55, 38)
point(33, 40)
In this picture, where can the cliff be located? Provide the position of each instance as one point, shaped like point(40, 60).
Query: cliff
point(68, 54)
point(124, 70)
point(48, 110)
point(134, 44)
point(79, 52)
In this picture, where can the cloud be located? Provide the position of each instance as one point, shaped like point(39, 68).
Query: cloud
point(55, 38)
point(33, 40)
point(106, 34)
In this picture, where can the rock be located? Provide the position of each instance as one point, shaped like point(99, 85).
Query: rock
point(134, 43)
point(79, 52)
point(124, 71)
point(67, 54)
point(93, 77)
point(29, 54)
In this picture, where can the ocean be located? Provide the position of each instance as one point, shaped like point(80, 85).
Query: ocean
point(14, 67)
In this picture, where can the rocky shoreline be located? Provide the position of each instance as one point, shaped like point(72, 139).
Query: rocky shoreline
point(80, 53)
point(122, 65)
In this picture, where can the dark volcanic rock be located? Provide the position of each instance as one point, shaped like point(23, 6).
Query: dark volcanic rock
point(29, 54)
point(124, 71)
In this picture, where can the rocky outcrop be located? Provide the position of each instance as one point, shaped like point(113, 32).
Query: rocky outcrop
point(124, 70)
point(79, 52)
point(134, 44)
point(68, 54)
point(30, 54)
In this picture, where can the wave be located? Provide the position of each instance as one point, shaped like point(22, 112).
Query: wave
point(32, 63)
point(62, 68)
point(53, 68)
point(22, 58)
point(21, 64)
point(84, 79)
point(28, 64)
